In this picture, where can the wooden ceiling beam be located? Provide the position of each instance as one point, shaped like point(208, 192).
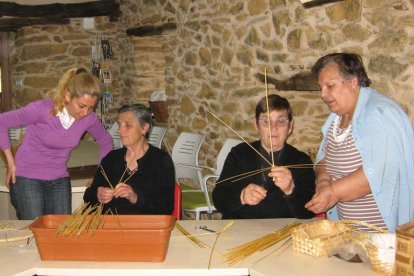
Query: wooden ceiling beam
point(17, 15)
point(315, 3)
point(58, 10)
point(151, 30)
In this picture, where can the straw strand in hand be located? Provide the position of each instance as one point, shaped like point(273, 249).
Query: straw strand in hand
point(105, 176)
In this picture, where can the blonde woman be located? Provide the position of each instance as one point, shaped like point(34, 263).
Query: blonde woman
point(37, 176)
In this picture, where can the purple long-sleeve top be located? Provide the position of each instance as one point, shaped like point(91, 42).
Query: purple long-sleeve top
point(46, 146)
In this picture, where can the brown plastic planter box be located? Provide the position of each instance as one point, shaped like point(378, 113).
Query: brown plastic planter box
point(135, 238)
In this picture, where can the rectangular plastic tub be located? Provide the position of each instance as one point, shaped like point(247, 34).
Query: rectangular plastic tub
point(135, 238)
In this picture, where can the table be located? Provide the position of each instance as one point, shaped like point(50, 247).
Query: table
point(86, 153)
point(185, 259)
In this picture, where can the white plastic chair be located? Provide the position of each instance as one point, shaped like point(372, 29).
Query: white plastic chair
point(113, 131)
point(185, 157)
point(157, 136)
point(16, 134)
point(221, 158)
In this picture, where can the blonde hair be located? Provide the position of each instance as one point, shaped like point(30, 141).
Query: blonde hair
point(78, 82)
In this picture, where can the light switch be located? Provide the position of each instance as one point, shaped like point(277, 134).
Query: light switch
point(89, 23)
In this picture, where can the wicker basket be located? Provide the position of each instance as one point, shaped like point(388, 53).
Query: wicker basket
point(320, 237)
point(404, 259)
point(374, 253)
point(378, 265)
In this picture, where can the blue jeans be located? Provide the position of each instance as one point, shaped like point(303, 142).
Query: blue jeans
point(33, 198)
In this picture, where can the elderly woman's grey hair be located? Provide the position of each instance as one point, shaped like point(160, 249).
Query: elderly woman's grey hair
point(141, 113)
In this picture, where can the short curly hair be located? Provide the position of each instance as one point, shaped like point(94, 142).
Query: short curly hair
point(349, 65)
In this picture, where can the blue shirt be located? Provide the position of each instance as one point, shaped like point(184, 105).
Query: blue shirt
point(384, 137)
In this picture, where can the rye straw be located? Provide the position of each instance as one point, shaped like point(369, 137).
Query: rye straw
point(195, 241)
point(86, 217)
point(227, 226)
point(241, 176)
point(240, 253)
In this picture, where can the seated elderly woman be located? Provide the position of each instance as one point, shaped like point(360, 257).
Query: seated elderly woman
point(280, 193)
point(141, 175)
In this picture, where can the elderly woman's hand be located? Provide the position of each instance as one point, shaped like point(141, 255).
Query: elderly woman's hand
point(282, 177)
point(253, 194)
point(105, 194)
point(125, 191)
point(323, 199)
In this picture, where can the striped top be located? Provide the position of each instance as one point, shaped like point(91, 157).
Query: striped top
point(342, 158)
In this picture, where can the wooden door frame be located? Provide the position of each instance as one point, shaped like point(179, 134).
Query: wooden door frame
point(6, 93)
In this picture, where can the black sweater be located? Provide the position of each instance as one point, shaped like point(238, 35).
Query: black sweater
point(153, 183)
point(276, 204)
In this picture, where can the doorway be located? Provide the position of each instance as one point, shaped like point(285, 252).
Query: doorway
point(5, 76)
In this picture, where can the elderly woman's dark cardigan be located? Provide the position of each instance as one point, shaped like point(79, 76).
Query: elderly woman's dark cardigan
point(243, 159)
point(153, 182)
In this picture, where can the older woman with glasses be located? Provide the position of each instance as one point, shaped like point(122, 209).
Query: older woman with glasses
point(280, 193)
point(366, 160)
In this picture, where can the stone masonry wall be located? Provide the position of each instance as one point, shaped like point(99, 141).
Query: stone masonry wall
point(210, 61)
point(41, 54)
point(219, 46)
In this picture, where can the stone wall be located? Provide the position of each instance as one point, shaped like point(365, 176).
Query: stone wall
point(210, 61)
point(219, 46)
point(41, 54)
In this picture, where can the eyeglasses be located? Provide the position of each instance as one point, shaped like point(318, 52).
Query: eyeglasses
point(279, 122)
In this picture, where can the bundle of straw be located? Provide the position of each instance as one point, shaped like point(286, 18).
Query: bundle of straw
point(83, 218)
point(87, 217)
point(238, 254)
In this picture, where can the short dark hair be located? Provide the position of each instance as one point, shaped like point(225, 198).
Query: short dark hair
point(276, 102)
point(141, 113)
point(349, 66)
